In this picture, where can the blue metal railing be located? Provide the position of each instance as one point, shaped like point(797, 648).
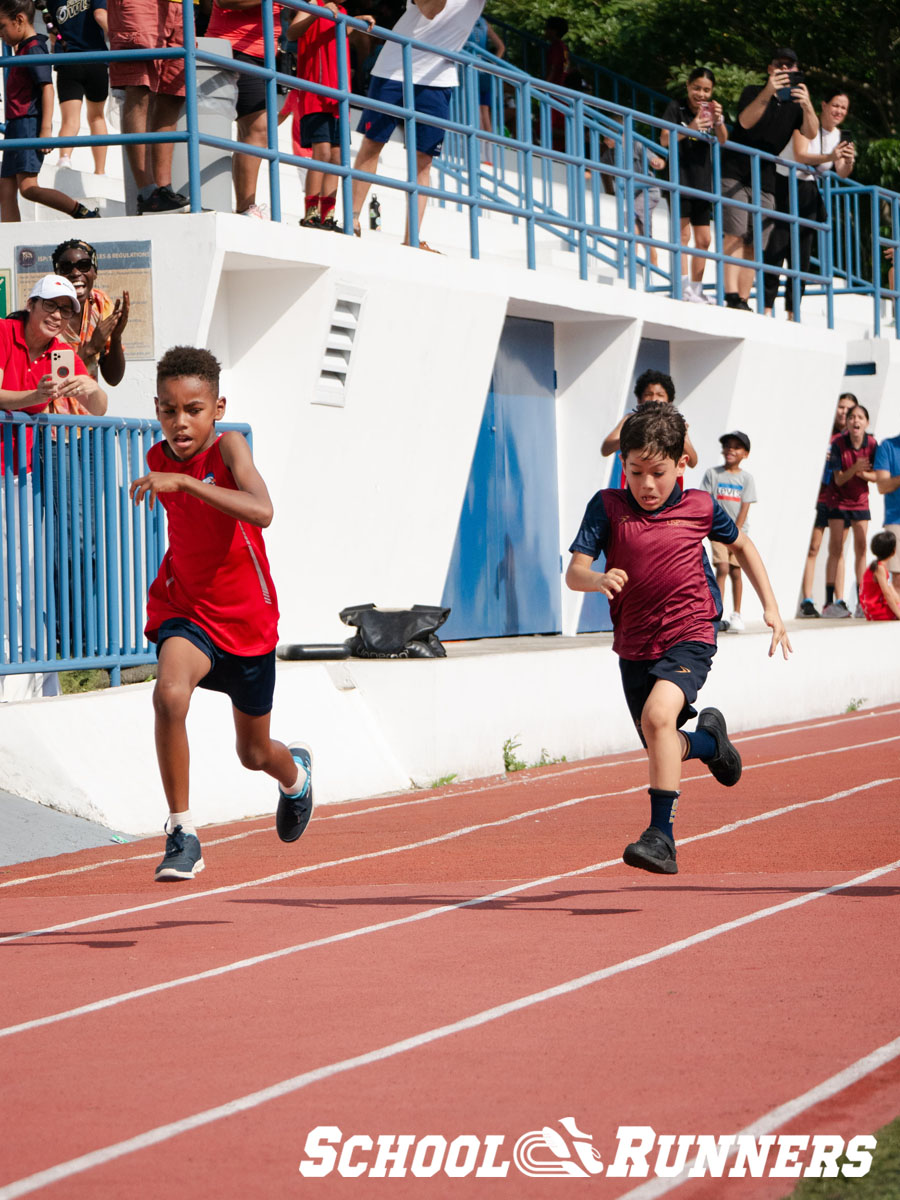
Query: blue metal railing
point(78, 556)
point(555, 139)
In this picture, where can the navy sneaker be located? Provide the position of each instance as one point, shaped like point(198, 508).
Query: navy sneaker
point(653, 851)
point(808, 609)
point(726, 765)
point(294, 812)
point(183, 858)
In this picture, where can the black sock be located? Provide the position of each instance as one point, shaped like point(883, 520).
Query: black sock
point(662, 810)
point(829, 593)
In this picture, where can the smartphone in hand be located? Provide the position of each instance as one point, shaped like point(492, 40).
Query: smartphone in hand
point(62, 365)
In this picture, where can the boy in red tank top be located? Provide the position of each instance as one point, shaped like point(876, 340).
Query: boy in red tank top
point(665, 604)
point(212, 609)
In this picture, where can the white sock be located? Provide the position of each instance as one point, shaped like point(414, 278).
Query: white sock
point(184, 819)
point(686, 285)
point(299, 783)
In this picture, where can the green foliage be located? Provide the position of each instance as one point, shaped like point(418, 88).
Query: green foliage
point(856, 704)
point(71, 682)
point(510, 762)
point(442, 782)
point(545, 760)
point(878, 164)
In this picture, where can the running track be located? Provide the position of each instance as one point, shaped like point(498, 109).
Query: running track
point(475, 961)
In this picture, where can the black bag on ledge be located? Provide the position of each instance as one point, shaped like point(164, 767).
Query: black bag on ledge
point(395, 632)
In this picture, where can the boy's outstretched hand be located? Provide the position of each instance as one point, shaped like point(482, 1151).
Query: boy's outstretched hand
point(779, 634)
point(154, 483)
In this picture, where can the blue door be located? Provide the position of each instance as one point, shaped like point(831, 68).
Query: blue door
point(504, 574)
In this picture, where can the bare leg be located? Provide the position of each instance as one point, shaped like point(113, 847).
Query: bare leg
point(253, 130)
point(860, 529)
point(70, 120)
point(135, 112)
point(9, 201)
point(837, 535)
point(181, 667)
point(423, 178)
point(664, 744)
point(259, 752)
point(732, 245)
point(366, 160)
point(96, 115)
point(737, 587)
point(49, 197)
point(163, 116)
point(702, 240)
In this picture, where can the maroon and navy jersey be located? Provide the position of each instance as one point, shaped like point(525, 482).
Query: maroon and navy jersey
point(671, 594)
point(827, 494)
point(853, 496)
point(215, 571)
point(23, 84)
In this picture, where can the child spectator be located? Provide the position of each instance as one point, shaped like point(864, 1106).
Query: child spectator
point(664, 606)
point(651, 387)
point(316, 40)
point(852, 453)
point(557, 65)
point(824, 502)
point(212, 609)
point(735, 490)
point(887, 480)
point(482, 36)
point(29, 113)
point(877, 596)
point(697, 111)
point(81, 25)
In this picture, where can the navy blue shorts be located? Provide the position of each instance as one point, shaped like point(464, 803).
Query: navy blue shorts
point(821, 521)
point(249, 681)
point(319, 127)
point(22, 162)
point(484, 88)
point(251, 89)
point(686, 664)
point(849, 515)
point(432, 101)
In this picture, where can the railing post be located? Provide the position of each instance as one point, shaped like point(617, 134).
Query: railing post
point(756, 201)
point(470, 86)
point(794, 235)
point(412, 167)
point(190, 106)
point(523, 115)
point(268, 25)
point(876, 259)
point(340, 33)
point(826, 242)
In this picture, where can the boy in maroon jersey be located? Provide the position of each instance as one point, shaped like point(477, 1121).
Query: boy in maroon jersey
point(664, 605)
point(212, 609)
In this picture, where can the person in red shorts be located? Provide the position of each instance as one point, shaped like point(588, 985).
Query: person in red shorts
point(877, 596)
point(664, 605)
point(212, 609)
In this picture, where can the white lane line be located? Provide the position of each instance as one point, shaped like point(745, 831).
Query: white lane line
point(381, 926)
point(465, 830)
point(495, 785)
point(163, 1133)
point(783, 1114)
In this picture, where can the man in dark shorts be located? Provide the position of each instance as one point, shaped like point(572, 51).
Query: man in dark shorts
point(664, 605)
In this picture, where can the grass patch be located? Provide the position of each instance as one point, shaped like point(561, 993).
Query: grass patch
point(72, 682)
point(442, 782)
point(510, 761)
point(856, 704)
point(881, 1183)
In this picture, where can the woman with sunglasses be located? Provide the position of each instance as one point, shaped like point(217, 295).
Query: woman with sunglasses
point(96, 331)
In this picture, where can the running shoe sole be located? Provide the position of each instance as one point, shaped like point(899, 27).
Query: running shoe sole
point(653, 852)
point(726, 766)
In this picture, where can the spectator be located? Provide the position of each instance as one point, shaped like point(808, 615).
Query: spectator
point(698, 111)
point(154, 94)
point(735, 490)
point(95, 334)
point(556, 66)
point(482, 36)
point(28, 103)
point(240, 23)
point(646, 198)
point(877, 596)
point(851, 461)
point(26, 385)
point(768, 114)
point(834, 572)
point(81, 25)
point(887, 480)
point(651, 387)
point(317, 61)
point(444, 24)
point(827, 151)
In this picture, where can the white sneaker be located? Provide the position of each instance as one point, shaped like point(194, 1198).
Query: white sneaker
point(64, 160)
point(258, 211)
point(736, 623)
point(693, 297)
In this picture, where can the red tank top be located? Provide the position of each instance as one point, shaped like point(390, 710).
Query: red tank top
point(215, 571)
point(871, 598)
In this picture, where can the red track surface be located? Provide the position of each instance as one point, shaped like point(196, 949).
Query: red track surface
point(365, 945)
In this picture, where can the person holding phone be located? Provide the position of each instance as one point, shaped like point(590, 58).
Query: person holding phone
point(27, 341)
point(766, 123)
point(701, 113)
point(831, 149)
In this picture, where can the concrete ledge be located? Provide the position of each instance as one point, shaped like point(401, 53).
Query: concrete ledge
point(384, 726)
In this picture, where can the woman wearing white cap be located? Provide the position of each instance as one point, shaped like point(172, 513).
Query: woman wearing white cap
point(26, 385)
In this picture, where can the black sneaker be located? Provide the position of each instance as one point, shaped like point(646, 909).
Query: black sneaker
point(808, 609)
point(653, 851)
point(163, 200)
point(183, 858)
point(294, 812)
point(312, 222)
point(726, 766)
point(82, 213)
point(332, 226)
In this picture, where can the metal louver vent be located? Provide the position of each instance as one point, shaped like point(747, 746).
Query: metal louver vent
point(334, 373)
